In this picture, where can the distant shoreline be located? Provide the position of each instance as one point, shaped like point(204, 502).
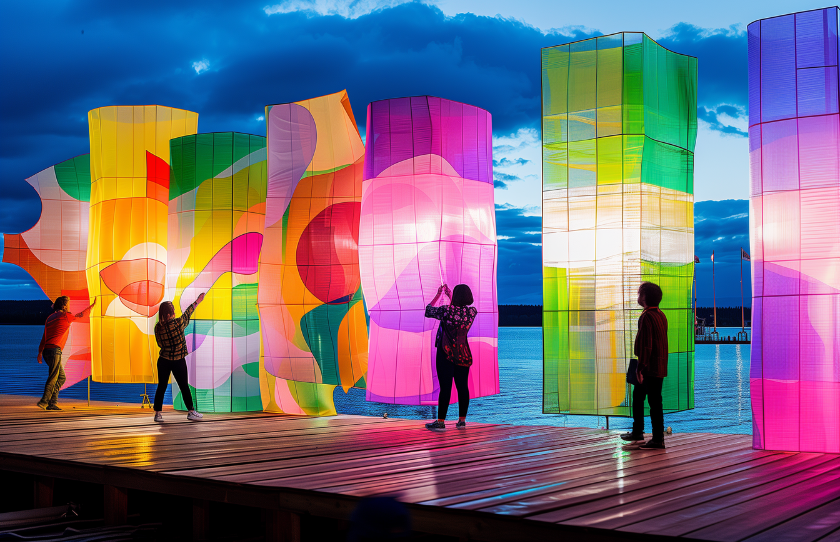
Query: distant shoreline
point(35, 312)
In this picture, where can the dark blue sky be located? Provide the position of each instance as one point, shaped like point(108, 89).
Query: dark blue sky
point(226, 60)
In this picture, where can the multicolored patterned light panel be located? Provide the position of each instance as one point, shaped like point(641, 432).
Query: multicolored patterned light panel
point(53, 251)
point(312, 316)
point(126, 256)
point(216, 221)
point(795, 231)
point(428, 218)
point(619, 127)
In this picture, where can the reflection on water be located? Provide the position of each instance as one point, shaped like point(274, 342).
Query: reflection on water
point(722, 399)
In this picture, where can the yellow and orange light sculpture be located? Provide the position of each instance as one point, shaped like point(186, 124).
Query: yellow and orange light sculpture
point(126, 256)
point(312, 317)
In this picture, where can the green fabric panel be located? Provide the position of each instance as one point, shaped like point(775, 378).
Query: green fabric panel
point(555, 166)
point(582, 163)
point(633, 102)
point(666, 166)
point(555, 79)
point(244, 302)
point(198, 158)
point(73, 177)
point(320, 330)
point(582, 74)
point(222, 189)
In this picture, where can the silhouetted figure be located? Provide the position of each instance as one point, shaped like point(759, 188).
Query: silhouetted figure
point(453, 358)
point(169, 334)
point(651, 349)
point(379, 519)
point(56, 332)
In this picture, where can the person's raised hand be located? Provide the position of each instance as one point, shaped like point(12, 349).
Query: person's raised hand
point(447, 291)
point(200, 298)
point(440, 288)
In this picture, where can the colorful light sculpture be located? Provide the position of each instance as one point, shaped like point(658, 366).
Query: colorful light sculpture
point(216, 221)
point(126, 256)
point(795, 231)
point(53, 251)
point(312, 317)
point(428, 218)
point(619, 127)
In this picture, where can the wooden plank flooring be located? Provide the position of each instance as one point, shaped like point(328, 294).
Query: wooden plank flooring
point(488, 482)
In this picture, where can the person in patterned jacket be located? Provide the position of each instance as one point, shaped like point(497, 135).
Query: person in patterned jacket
point(453, 357)
point(169, 334)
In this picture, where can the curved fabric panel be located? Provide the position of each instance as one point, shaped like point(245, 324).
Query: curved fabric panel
point(53, 251)
point(309, 286)
point(427, 217)
point(619, 126)
point(126, 251)
point(795, 231)
point(216, 222)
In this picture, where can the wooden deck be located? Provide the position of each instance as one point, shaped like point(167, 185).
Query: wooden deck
point(488, 482)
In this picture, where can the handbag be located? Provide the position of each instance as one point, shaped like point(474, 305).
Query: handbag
point(631, 372)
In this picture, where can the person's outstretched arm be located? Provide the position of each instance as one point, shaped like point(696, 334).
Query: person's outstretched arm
point(431, 310)
point(185, 318)
point(87, 310)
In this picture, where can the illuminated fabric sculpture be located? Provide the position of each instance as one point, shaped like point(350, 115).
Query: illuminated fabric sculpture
point(428, 218)
point(312, 316)
point(619, 127)
point(216, 221)
point(126, 256)
point(795, 231)
point(53, 251)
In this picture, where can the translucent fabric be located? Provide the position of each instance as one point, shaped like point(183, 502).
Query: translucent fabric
point(216, 222)
point(126, 256)
point(427, 218)
point(619, 128)
point(53, 251)
point(795, 231)
point(312, 315)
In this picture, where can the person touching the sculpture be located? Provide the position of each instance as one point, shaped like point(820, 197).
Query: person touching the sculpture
point(453, 358)
point(169, 334)
point(651, 349)
point(56, 332)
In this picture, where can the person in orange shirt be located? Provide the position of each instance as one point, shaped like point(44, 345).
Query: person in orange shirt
point(56, 331)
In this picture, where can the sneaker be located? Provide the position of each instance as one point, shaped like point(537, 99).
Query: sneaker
point(437, 424)
point(53, 407)
point(42, 405)
point(632, 437)
point(158, 417)
point(194, 416)
point(652, 445)
point(461, 424)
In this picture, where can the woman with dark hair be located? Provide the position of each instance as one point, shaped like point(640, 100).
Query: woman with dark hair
point(56, 332)
point(453, 357)
point(169, 333)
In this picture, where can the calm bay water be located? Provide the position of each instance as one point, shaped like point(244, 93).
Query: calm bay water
point(722, 400)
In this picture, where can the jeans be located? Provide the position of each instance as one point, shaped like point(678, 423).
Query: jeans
point(55, 378)
point(651, 388)
point(446, 371)
point(178, 369)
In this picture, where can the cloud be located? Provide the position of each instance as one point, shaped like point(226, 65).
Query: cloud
point(350, 10)
point(201, 65)
point(711, 116)
point(505, 162)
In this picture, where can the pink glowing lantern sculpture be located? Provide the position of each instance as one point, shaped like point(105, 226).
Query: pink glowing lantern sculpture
point(795, 231)
point(427, 218)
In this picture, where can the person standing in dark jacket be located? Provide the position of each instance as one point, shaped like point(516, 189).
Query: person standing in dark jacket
point(651, 349)
point(453, 357)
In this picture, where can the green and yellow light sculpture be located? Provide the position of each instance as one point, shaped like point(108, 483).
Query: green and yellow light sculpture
point(619, 127)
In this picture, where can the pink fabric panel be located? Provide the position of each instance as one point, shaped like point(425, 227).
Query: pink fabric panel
point(427, 218)
point(795, 233)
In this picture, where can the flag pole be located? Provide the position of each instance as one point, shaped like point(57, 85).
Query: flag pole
point(714, 292)
point(742, 288)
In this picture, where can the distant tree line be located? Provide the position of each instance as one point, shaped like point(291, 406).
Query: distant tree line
point(25, 312)
point(726, 316)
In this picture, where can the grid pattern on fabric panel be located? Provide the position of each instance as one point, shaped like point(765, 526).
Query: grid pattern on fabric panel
point(312, 316)
point(217, 196)
point(795, 231)
point(427, 218)
point(619, 127)
point(126, 256)
point(53, 251)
